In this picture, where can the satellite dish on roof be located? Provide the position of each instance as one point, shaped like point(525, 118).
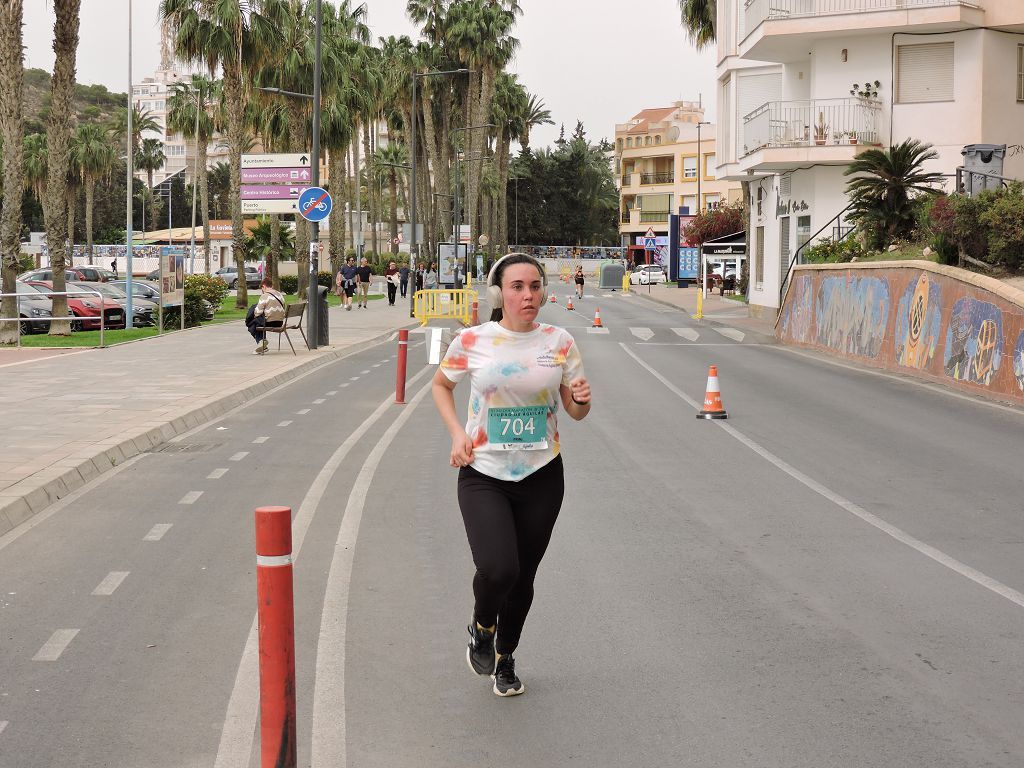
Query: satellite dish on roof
point(673, 133)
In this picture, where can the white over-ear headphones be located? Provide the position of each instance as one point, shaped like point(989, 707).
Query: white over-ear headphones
point(494, 291)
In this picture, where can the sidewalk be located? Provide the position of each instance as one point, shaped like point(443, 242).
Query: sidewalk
point(718, 311)
point(69, 418)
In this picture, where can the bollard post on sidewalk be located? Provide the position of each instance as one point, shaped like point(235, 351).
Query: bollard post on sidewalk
point(277, 637)
point(475, 319)
point(403, 356)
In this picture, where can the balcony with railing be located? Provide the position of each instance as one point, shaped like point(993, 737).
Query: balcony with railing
point(770, 27)
point(657, 178)
point(651, 217)
point(822, 131)
point(625, 217)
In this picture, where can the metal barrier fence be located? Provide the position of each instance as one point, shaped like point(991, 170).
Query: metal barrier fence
point(28, 298)
point(444, 304)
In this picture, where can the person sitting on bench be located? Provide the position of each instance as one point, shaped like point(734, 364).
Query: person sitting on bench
point(268, 312)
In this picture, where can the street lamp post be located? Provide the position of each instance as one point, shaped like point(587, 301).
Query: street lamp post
point(131, 176)
point(700, 209)
point(195, 185)
point(414, 243)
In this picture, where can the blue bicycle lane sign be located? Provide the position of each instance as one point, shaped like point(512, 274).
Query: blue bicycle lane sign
point(314, 204)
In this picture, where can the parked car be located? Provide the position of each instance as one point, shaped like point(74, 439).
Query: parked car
point(645, 274)
point(34, 309)
point(145, 290)
point(230, 276)
point(143, 310)
point(86, 308)
point(83, 274)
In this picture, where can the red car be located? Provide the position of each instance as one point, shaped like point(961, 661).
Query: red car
point(86, 309)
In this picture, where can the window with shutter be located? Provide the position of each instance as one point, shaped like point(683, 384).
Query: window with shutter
point(759, 259)
point(924, 73)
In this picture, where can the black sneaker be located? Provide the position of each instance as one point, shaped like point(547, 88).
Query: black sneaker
point(505, 681)
point(480, 653)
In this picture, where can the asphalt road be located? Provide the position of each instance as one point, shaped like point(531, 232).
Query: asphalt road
point(832, 577)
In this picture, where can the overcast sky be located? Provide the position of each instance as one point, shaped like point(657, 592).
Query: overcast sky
point(600, 61)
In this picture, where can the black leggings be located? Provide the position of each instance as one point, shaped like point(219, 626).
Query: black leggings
point(508, 525)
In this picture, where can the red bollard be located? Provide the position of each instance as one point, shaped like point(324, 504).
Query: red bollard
point(403, 354)
point(476, 318)
point(277, 637)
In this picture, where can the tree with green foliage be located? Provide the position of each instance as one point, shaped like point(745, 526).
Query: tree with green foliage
point(93, 156)
point(150, 159)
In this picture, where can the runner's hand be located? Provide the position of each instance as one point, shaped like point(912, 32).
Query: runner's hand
point(580, 390)
point(462, 451)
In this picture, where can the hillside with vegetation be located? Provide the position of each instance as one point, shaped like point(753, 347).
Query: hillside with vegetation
point(91, 103)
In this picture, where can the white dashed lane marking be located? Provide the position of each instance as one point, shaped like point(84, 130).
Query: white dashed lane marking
point(356, 378)
point(217, 474)
point(239, 456)
point(190, 497)
point(284, 424)
point(157, 532)
point(260, 440)
point(376, 365)
point(318, 401)
point(344, 385)
point(109, 584)
point(644, 334)
point(3, 725)
point(731, 333)
point(687, 333)
point(55, 646)
point(303, 412)
point(363, 373)
point(332, 393)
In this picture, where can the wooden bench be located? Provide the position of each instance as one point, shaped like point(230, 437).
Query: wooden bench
point(293, 315)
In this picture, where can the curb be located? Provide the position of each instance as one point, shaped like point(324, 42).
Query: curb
point(758, 336)
point(30, 496)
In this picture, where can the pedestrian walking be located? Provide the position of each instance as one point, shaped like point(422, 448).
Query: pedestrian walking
point(419, 277)
point(403, 273)
point(392, 275)
point(113, 268)
point(347, 281)
point(363, 275)
point(430, 277)
point(511, 481)
point(578, 278)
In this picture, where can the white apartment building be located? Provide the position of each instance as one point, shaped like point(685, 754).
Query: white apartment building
point(949, 73)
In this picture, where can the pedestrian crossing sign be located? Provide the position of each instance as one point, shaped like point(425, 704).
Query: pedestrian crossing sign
point(650, 243)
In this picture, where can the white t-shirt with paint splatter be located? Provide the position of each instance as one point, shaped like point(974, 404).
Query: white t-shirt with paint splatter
point(510, 370)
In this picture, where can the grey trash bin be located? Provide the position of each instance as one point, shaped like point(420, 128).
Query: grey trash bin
point(611, 274)
point(986, 158)
point(323, 336)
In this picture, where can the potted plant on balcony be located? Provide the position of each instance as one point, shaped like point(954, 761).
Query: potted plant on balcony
point(821, 129)
point(866, 92)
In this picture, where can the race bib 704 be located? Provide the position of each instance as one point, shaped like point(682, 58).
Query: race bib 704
point(517, 428)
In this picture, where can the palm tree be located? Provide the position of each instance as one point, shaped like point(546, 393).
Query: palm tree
point(699, 21)
point(229, 36)
point(260, 244)
point(151, 159)
point(883, 191)
point(385, 164)
point(35, 162)
point(58, 142)
point(93, 156)
point(191, 105)
point(12, 128)
point(536, 114)
point(142, 120)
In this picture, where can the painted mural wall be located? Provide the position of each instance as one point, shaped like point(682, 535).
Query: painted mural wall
point(936, 322)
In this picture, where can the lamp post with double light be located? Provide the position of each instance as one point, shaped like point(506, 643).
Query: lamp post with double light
point(414, 245)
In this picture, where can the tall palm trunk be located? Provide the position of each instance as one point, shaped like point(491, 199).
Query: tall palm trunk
point(233, 97)
point(58, 143)
point(72, 208)
point(436, 167)
point(90, 202)
point(203, 179)
point(501, 236)
point(357, 235)
point(442, 176)
point(474, 149)
point(297, 141)
point(336, 173)
point(374, 211)
point(393, 185)
point(350, 196)
point(12, 128)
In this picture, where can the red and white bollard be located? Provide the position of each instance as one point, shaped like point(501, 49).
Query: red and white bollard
point(403, 355)
point(475, 320)
point(277, 637)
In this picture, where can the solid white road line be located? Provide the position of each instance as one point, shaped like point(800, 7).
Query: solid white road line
point(686, 333)
point(217, 474)
point(157, 532)
point(730, 333)
point(329, 748)
point(644, 334)
point(284, 423)
point(190, 497)
point(303, 412)
point(110, 583)
point(891, 530)
point(239, 456)
point(236, 738)
point(691, 344)
point(260, 440)
point(54, 647)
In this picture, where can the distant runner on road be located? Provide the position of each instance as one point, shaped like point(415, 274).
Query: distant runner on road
point(511, 481)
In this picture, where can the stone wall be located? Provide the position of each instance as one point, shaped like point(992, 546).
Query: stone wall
point(934, 322)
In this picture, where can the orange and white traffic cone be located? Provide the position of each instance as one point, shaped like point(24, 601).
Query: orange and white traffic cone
point(552, 299)
point(597, 318)
point(713, 398)
point(569, 305)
